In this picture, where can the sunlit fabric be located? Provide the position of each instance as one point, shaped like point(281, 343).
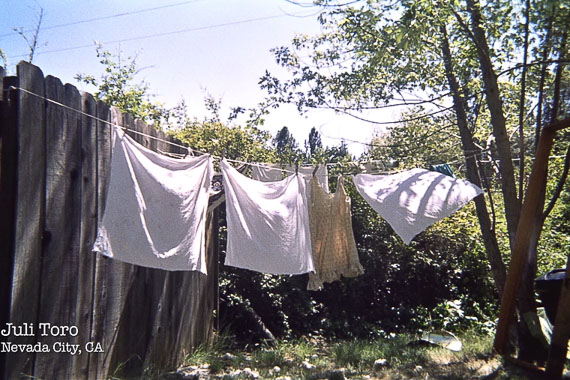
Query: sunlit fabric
point(413, 200)
point(155, 215)
point(268, 224)
point(334, 247)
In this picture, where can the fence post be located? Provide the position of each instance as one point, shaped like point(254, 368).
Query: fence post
point(8, 155)
point(29, 221)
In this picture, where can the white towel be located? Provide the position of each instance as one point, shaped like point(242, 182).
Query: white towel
point(268, 224)
point(411, 201)
point(155, 215)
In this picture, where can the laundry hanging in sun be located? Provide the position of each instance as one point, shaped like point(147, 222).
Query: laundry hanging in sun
point(412, 200)
point(155, 213)
point(268, 223)
point(332, 238)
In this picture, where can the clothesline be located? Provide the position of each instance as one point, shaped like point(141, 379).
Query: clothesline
point(191, 150)
point(292, 226)
point(111, 124)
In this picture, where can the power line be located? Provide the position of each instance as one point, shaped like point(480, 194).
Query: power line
point(186, 30)
point(105, 17)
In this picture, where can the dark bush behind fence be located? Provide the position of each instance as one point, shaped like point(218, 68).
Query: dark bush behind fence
point(54, 168)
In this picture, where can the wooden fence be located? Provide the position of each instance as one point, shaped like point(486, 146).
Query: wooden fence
point(53, 174)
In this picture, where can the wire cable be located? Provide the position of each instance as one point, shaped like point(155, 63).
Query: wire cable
point(99, 119)
point(111, 124)
point(155, 35)
point(104, 17)
point(266, 165)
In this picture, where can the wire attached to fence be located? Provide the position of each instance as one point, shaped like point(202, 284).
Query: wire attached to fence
point(111, 124)
point(190, 150)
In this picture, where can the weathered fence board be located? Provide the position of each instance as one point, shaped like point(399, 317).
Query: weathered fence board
point(53, 183)
point(59, 281)
point(8, 154)
point(112, 279)
point(29, 213)
point(99, 291)
point(88, 180)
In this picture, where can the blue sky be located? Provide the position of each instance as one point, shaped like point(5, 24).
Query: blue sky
point(221, 47)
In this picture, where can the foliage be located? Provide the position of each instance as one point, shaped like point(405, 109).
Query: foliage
point(4, 59)
point(374, 56)
point(379, 54)
point(417, 143)
point(404, 288)
point(117, 87)
point(286, 146)
point(212, 135)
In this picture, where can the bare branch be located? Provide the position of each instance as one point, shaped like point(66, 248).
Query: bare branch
point(559, 186)
point(392, 122)
point(33, 43)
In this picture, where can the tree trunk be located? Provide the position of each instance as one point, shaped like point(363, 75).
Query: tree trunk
point(512, 206)
point(469, 149)
point(531, 339)
point(529, 348)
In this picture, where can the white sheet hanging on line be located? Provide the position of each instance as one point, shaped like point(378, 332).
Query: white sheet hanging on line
point(411, 201)
point(268, 224)
point(273, 172)
point(155, 215)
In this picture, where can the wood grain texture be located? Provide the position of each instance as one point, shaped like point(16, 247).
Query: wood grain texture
point(54, 178)
point(522, 240)
point(60, 258)
point(28, 235)
point(88, 228)
point(112, 279)
point(8, 191)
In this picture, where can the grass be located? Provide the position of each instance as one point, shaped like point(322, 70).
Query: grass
point(355, 359)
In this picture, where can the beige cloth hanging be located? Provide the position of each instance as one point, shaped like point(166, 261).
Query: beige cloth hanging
point(332, 238)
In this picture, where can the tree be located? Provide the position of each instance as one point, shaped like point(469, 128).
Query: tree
point(287, 147)
point(117, 87)
point(460, 61)
point(247, 144)
point(33, 40)
point(314, 145)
